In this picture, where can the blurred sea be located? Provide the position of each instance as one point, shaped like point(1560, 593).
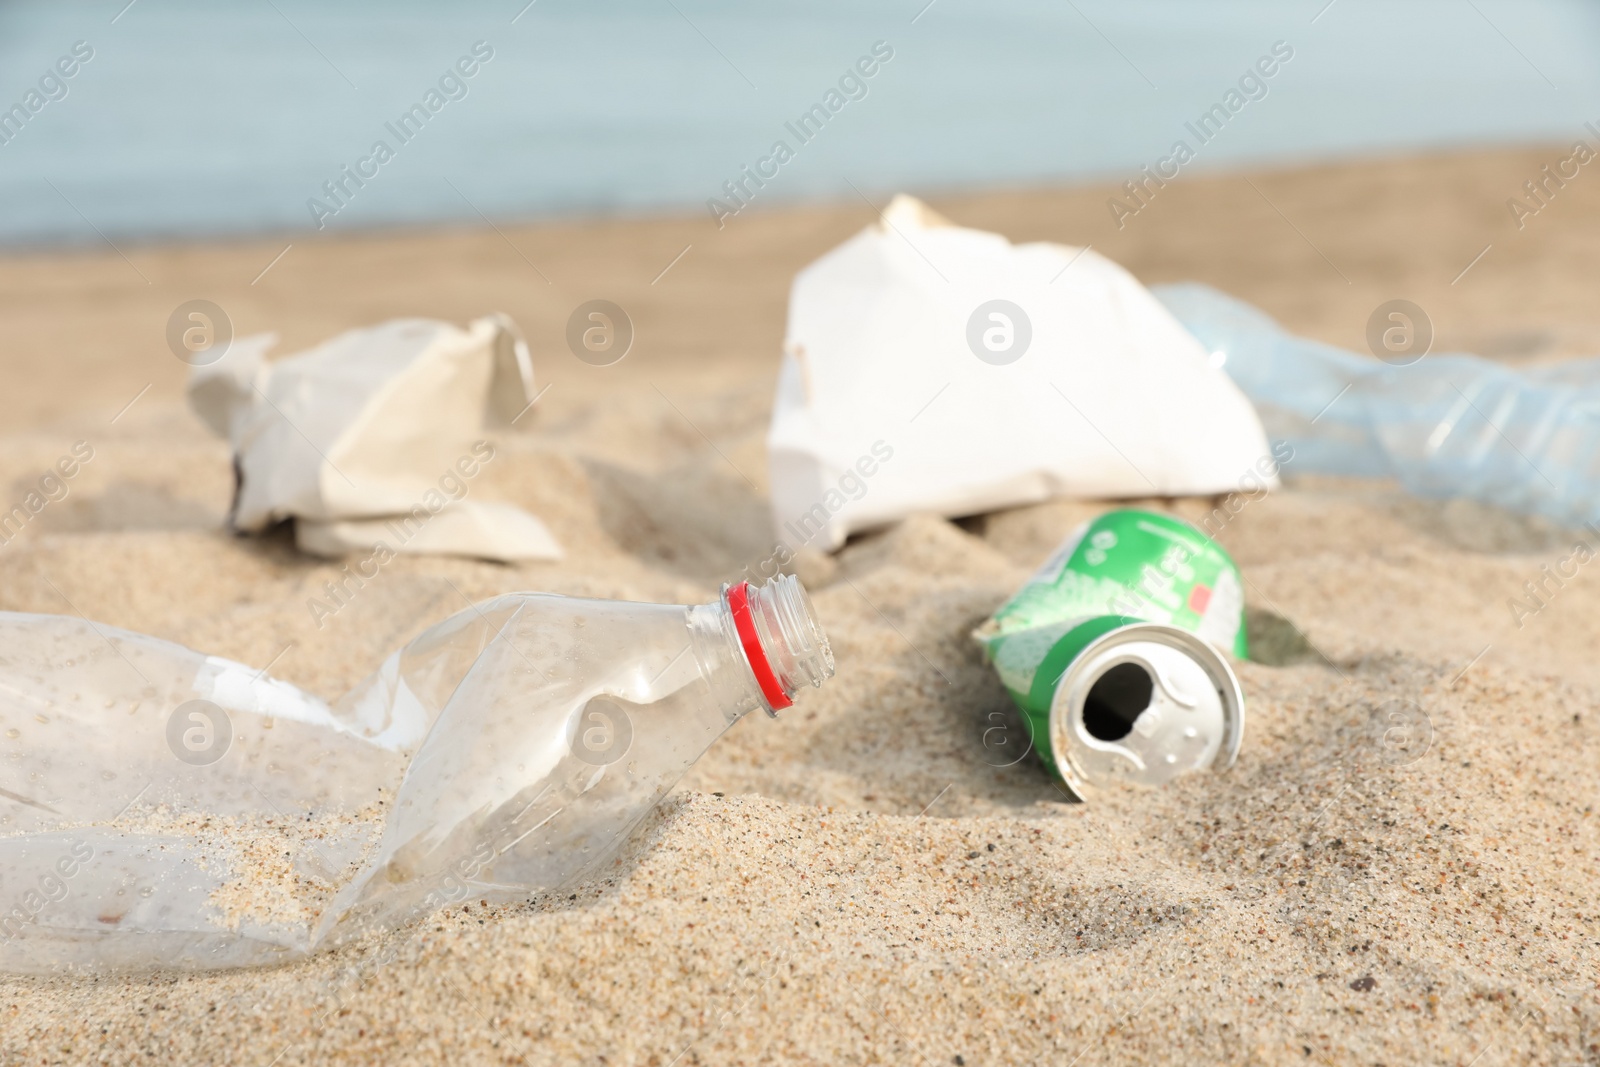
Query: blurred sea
point(198, 118)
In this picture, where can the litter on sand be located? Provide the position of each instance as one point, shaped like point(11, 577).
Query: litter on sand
point(933, 368)
point(1115, 652)
point(373, 438)
point(186, 812)
point(1448, 425)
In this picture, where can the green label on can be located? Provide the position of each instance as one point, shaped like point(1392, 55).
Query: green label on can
point(1129, 562)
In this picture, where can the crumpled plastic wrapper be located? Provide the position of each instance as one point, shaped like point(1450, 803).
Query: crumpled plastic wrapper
point(374, 438)
point(932, 368)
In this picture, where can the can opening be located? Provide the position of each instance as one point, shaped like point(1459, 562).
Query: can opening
point(1141, 704)
point(1115, 700)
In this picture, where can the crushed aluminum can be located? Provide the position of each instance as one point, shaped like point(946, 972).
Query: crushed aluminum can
point(1113, 652)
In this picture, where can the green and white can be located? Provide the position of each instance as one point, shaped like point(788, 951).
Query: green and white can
point(1114, 652)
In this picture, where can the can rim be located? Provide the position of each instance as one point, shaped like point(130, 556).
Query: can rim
point(1210, 659)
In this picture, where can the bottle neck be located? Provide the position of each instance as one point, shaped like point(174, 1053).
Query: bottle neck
point(770, 636)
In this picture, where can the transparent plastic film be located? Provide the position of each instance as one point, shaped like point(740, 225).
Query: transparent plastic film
point(138, 783)
point(164, 809)
point(1444, 425)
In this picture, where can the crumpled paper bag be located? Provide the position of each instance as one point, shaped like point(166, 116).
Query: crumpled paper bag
point(901, 391)
point(372, 437)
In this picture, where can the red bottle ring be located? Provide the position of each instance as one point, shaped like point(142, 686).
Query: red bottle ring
point(745, 623)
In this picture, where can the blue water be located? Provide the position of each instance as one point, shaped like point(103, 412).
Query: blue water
point(203, 118)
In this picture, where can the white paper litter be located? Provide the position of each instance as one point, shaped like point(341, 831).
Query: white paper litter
point(472, 528)
point(374, 437)
point(885, 408)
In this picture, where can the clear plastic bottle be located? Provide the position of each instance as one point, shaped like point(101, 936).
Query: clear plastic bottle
point(164, 809)
point(1444, 426)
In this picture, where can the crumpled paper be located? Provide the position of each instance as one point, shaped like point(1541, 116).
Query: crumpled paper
point(373, 438)
point(902, 392)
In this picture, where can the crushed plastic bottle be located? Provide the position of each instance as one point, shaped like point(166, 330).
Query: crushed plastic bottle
point(1444, 426)
point(163, 809)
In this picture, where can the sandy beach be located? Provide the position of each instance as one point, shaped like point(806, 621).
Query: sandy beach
point(853, 882)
